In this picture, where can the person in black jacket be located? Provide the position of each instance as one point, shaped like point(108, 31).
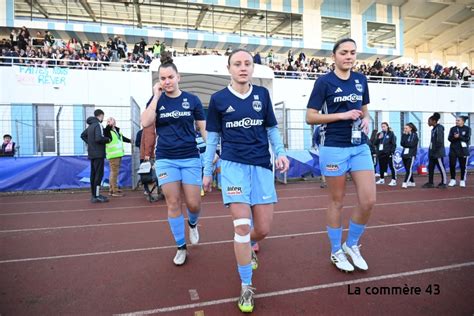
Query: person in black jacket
point(373, 150)
point(459, 136)
point(386, 143)
point(436, 152)
point(94, 137)
point(409, 143)
point(8, 147)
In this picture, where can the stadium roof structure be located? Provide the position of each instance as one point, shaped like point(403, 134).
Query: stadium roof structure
point(429, 25)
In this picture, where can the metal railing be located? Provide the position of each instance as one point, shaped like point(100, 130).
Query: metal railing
point(74, 64)
point(382, 79)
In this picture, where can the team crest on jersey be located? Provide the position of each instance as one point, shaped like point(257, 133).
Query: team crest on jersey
point(185, 104)
point(233, 190)
point(463, 133)
point(359, 87)
point(256, 104)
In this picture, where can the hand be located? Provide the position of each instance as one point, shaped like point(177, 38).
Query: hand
point(380, 135)
point(456, 135)
point(282, 164)
point(146, 158)
point(351, 115)
point(207, 183)
point(364, 125)
point(157, 89)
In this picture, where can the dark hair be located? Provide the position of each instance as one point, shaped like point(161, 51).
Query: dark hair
point(463, 118)
point(385, 123)
point(435, 117)
point(167, 62)
point(237, 51)
point(98, 112)
point(342, 41)
point(413, 127)
point(7, 135)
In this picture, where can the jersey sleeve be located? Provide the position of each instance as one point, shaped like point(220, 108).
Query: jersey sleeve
point(214, 120)
point(270, 119)
point(316, 99)
point(198, 111)
point(365, 96)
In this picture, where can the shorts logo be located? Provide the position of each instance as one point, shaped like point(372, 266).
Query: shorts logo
point(162, 176)
point(233, 190)
point(332, 167)
point(185, 104)
point(256, 104)
point(266, 197)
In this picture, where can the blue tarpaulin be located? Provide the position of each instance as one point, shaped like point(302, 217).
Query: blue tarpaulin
point(70, 172)
point(55, 172)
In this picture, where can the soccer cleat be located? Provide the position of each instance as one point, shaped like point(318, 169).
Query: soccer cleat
point(404, 185)
point(193, 234)
point(246, 302)
point(411, 184)
point(180, 257)
point(442, 186)
point(380, 181)
point(393, 183)
point(377, 175)
point(356, 257)
point(462, 184)
point(339, 259)
point(452, 183)
point(102, 199)
point(254, 260)
point(428, 185)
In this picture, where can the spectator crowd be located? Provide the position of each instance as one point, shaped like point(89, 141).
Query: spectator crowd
point(45, 50)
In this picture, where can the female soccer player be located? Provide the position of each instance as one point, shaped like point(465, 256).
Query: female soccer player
point(459, 136)
point(339, 102)
point(177, 158)
point(409, 143)
point(242, 116)
point(386, 144)
point(436, 152)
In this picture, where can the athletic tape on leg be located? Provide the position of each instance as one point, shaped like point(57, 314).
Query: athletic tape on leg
point(242, 221)
point(242, 239)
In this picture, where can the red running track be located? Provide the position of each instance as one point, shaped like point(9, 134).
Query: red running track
point(59, 254)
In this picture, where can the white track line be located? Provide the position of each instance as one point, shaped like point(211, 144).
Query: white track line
point(214, 217)
point(303, 289)
point(222, 241)
point(164, 205)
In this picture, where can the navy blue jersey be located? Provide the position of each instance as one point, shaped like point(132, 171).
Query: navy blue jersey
point(175, 126)
point(242, 121)
point(334, 95)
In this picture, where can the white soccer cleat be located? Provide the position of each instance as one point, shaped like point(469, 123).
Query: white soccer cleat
point(356, 257)
point(180, 257)
point(339, 259)
point(411, 184)
point(380, 181)
point(462, 184)
point(193, 235)
point(452, 183)
point(404, 185)
point(393, 183)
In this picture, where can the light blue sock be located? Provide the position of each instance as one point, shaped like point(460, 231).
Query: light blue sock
point(245, 273)
point(335, 237)
point(193, 217)
point(177, 228)
point(355, 231)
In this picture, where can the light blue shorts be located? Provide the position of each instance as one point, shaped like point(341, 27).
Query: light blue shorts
point(188, 171)
point(247, 184)
point(337, 161)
